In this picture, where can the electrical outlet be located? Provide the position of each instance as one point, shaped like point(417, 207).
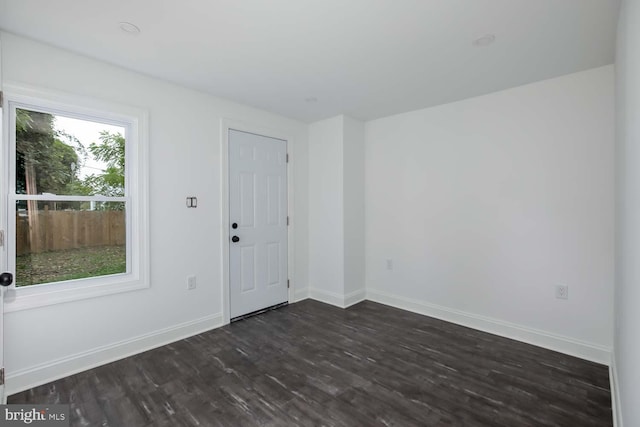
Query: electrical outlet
point(562, 291)
point(389, 264)
point(191, 282)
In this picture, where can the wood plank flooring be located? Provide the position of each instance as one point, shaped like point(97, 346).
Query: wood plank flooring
point(311, 364)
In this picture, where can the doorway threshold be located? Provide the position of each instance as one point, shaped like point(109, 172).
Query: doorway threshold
point(262, 310)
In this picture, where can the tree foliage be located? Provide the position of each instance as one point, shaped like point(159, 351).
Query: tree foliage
point(110, 151)
point(49, 161)
point(44, 162)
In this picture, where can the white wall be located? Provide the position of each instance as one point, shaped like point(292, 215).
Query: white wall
point(484, 205)
point(336, 211)
point(354, 214)
point(627, 312)
point(326, 247)
point(184, 160)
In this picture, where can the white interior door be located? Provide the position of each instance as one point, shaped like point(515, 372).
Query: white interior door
point(257, 222)
point(5, 278)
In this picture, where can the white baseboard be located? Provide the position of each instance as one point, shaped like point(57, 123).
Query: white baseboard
point(331, 298)
point(300, 294)
point(336, 299)
point(41, 374)
point(584, 350)
point(354, 297)
point(615, 393)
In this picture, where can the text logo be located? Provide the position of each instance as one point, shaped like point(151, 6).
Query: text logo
point(34, 415)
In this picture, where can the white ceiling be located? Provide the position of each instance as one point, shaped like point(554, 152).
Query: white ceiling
point(364, 58)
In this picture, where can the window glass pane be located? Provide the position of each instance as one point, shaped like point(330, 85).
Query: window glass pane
point(58, 241)
point(65, 156)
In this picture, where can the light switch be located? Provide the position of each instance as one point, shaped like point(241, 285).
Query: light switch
point(192, 202)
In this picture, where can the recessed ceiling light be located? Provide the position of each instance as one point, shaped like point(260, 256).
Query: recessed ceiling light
point(128, 27)
point(485, 40)
point(311, 100)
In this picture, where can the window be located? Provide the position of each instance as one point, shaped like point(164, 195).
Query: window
point(76, 205)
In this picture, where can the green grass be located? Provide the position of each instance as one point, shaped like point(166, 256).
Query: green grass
point(56, 266)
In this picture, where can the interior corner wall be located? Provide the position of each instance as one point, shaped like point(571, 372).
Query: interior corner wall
point(483, 206)
point(326, 205)
point(336, 211)
point(626, 367)
point(184, 159)
point(354, 214)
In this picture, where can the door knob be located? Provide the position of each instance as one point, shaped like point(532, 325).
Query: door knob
point(234, 225)
point(235, 239)
point(6, 279)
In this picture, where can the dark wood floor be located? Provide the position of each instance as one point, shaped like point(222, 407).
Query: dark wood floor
point(313, 364)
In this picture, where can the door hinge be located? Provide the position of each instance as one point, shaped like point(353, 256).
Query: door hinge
point(287, 288)
point(287, 157)
point(1, 99)
point(1, 238)
point(287, 220)
point(2, 376)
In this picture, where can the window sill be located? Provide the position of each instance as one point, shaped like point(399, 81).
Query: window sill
point(17, 299)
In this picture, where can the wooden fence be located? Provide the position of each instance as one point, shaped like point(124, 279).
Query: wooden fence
point(60, 230)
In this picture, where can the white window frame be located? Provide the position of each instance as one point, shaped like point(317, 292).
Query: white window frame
point(135, 121)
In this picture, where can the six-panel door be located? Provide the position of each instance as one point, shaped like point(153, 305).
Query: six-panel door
point(258, 208)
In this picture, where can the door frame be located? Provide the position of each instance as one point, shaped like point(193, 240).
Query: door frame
point(225, 126)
